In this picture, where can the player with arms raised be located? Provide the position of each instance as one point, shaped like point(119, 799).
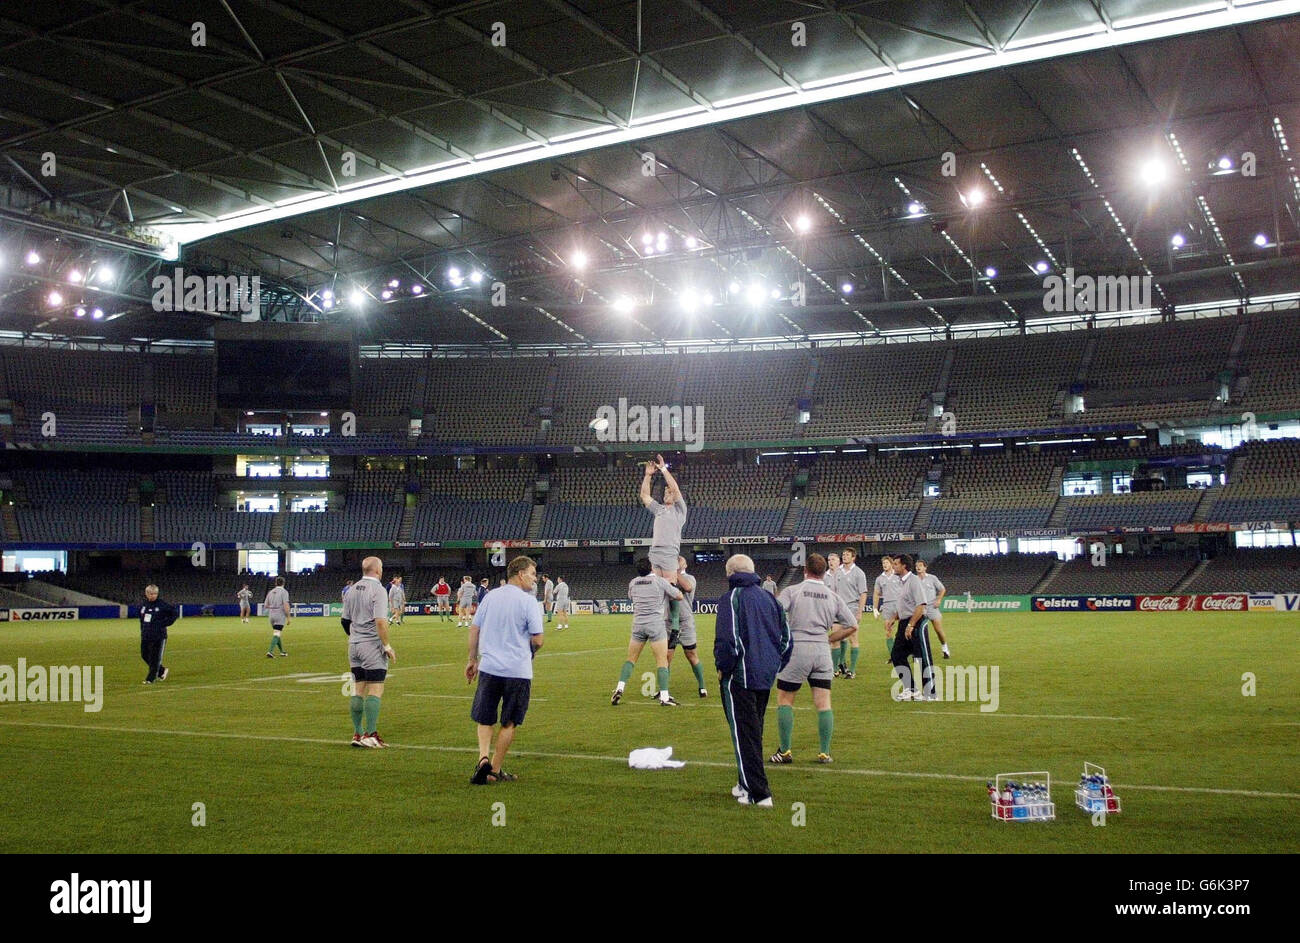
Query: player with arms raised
point(670, 518)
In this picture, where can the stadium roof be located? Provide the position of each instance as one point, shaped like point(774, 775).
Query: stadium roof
point(772, 144)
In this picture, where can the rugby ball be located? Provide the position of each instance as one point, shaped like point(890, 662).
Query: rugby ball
point(599, 424)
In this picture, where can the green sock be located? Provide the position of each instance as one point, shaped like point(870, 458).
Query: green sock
point(889, 645)
point(279, 642)
point(699, 674)
point(676, 613)
point(271, 650)
point(785, 725)
point(354, 705)
point(372, 713)
point(662, 675)
point(853, 658)
point(825, 725)
point(844, 654)
point(627, 671)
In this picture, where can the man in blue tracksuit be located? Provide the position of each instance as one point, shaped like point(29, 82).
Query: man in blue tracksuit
point(155, 616)
point(751, 645)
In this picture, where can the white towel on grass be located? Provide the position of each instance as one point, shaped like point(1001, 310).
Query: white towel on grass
point(653, 758)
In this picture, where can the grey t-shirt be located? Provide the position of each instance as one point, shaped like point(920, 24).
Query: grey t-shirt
point(273, 605)
point(548, 591)
point(686, 613)
point(396, 596)
point(911, 593)
point(770, 586)
point(933, 587)
point(811, 609)
point(887, 583)
point(649, 595)
point(466, 594)
point(561, 593)
point(244, 595)
point(850, 586)
point(669, 521)
point(365, 603)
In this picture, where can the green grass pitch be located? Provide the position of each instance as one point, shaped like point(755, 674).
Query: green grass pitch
point(1157, 699)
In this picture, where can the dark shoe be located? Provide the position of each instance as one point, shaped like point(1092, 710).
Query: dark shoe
point(481, 772)
point(501, 776)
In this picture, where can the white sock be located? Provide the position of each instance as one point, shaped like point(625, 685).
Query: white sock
point(945, 649)
point(621, 685)
point(663, 695)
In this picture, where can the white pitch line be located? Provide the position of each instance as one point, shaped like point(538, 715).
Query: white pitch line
point(713, 764)
point(466, 697)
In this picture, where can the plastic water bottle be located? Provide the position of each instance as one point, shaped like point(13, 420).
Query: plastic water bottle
point(1021, 809)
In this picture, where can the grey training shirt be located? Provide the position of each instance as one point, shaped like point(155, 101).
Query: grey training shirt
point(273, 605)
point(365, 603)
point(811, 609)
point(669, 521)
point(910, 595)
point(649, 594)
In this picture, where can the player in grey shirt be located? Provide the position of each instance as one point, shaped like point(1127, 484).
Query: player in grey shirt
point(548, 597)
point(670, 518)
point(245, 597)
point(685, 633)
point(769, 584)
point(832, 577)
point(884, 599)
point(466, 595)
point(365, 619)
point(396, 601)
point(817, 618)
point(649, 593)
point(851, 585)
point(276, 607)
point(914, 639)
point(562, 604)
point(934, 591)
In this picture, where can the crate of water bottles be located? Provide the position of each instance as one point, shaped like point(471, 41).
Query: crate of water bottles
point(1093, 794)
point(1022, 797)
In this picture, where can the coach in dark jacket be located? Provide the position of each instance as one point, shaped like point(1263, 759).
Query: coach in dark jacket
point(155, 616)
point(752, 643)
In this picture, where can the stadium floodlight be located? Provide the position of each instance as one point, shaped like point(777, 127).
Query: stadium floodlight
point(453, 273)
point(692, 242)
point(776, 294)
point(973, 198)
point(327, 294)
point(357, 298)
point(386, 294)
point(624, 305)
point(418, 289)
point(647, 238)
point(54, 299)
point(662, 240)
point(990, 272)
point(75, 276)
point(1261, 240)
point(80, 311)
point(689, 301)
point(476, 277)
point(707, 298)
point(579, 260)
point(33, 257)
point(734, 288)
point(1225, 163)
point(1041, 267)
point(97, 314)
point(754, 294)
point(803, 223)
point(394, 284)
point(915, 209)
point(104, 275)
point(1153, 172)
point(327, 303)
point(847, 288)
point(649, 250)
point(1178, 241)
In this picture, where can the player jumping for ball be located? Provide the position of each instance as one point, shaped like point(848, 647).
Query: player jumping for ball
point(670, 518)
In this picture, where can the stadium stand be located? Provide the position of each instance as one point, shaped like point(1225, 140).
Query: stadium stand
point(472, 504)
point(846, 495)
point(994, 490)
point(1267, 379)
point(584, 384)
point(1123, 573)
point(1144, 509)
point(984, 394)
point(186, 511)
point(734, 500)
point(486, 400)
point(596, 503)
point(1265, 484)
point(77, 506)
point(863, 390)
point(1260, 570)
point(746, 396)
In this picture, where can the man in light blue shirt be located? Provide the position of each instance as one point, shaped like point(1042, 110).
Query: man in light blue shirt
point(503, 638)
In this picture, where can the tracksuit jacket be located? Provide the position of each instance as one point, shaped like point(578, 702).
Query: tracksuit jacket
point(752, 640)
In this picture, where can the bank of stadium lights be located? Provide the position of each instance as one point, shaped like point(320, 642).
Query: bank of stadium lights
point(104, 275)
point(357, 298)
point(990, 272)
point(692, 242)
point(915, 210)
point(97, 314)
point(802, 223)
point(394, 284)
point(974, 197)
point(755, 294)
point(1261, 240)
point(1153, 172)
point(75, 277)
point(418, 289)
point(578, 260)
point(624, 305)
point(476, 277)
point(80, 311)
point(386, 294)
point(1042, 268)
point(33, 258)
point(54, 299)
point(1178, 240)
point(846, 288)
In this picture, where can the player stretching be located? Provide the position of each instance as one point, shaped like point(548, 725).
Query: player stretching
point(466, 595)
point(562, 604)
point(396, 601)
point(686, 634)
point(245, 597)
point(818, 619)
point(884, 600)
point(851, 585)
point(648, 592)
point(670, 518)
point(934, 592)
point(442, 593)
